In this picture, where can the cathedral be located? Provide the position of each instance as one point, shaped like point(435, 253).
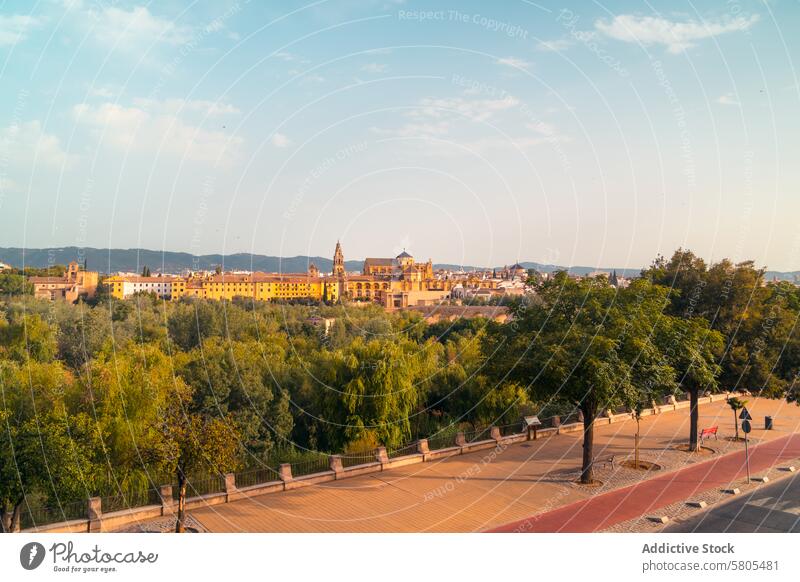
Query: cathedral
point(392, 282)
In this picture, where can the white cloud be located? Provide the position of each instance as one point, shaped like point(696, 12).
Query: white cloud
point(134, 28)
point(290, 57)
point(104, 92)
point(542, 128)
point(27, 142)
point(553, 45)
point(280, 140)
point(475, 109)
point(14, 28)
point(307, 78)
point(176, 106)
point(676, 36)
point(157, 130)
point(487, 146)
point(374, 68)
point(727, 99)
point(513, 62)
point(437, 129)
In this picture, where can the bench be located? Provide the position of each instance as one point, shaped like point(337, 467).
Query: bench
point(605, 461)
point(707, 432)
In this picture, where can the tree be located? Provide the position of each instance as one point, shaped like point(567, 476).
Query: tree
point(192, 321)
point(567, 347)
point(146, 271)
point(14, 284)
point(43, 450)
point(588, 344)
point(243, 380)
point(193, 443)
point(693, 353)
point(27, 337)
point(371, 386)
point(736, 405)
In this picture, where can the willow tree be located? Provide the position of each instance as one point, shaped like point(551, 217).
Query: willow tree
point(371, 388)
point(44, 450)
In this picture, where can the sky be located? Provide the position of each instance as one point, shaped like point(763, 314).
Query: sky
point(479, 133)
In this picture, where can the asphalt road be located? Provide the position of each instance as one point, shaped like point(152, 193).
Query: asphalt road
point(772, 508)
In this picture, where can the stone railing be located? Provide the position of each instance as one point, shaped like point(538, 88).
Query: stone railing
point(98, 521)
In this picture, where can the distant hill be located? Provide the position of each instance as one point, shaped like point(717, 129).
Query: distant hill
point(133, 260)
point(113, 260)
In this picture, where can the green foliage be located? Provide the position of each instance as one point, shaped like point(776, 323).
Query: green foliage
point(372, 386)
point(14, 284)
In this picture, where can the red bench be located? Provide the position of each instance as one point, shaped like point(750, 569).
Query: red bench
point(707, 432)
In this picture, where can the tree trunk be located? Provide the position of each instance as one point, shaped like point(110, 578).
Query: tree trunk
point(5, 519)
point(179, 524)
point(10, 518)
point(16, 518)
point(694, 417)
point(736, 424)
point(587, 471)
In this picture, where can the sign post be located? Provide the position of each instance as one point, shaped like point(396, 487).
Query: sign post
point(746, 428)
point(531, 423)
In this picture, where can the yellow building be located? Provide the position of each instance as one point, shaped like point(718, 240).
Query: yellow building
point(296, 286)
point(393, 283)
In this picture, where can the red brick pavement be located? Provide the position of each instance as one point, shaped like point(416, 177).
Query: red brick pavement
point(604, 510)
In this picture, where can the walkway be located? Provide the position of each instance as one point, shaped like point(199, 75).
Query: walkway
point(480, 491)
point(603, 511)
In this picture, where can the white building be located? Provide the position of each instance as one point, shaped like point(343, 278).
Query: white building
point(123, 287)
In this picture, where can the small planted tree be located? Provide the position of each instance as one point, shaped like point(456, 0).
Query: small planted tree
point(637, 415)
point(194, 443)
point(693, 353)
point(736, 405)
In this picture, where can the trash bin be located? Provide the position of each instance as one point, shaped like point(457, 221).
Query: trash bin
point(767, 423)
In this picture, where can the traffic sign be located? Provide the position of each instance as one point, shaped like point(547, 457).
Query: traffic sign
point(745, 415)
point(746, 426)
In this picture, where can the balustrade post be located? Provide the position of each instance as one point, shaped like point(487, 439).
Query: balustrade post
point(94, 511)
point(167, 503)
point(231, 490)
point(335, 464)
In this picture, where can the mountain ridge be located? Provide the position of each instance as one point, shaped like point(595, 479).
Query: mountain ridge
point(108, 260)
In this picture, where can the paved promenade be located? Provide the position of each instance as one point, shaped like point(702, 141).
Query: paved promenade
point(603, 511)
point(488, 490)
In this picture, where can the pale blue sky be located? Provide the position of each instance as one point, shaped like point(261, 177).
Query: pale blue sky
point(473, 132)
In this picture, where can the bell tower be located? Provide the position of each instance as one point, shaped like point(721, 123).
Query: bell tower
point(338, 261)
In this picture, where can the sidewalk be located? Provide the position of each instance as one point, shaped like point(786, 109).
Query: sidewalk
point(602, 511)
point(480, 491)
